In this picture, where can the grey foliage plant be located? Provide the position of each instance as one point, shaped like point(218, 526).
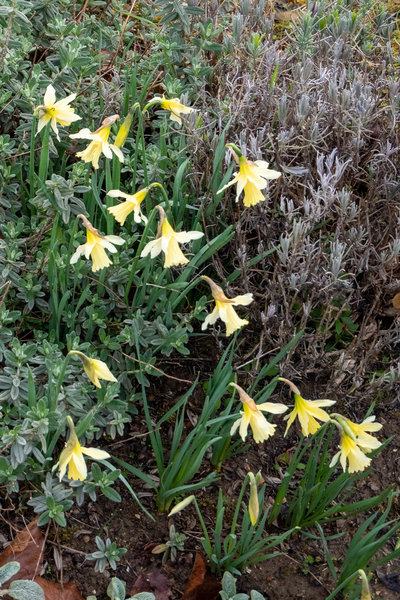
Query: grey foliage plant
point(19, 589)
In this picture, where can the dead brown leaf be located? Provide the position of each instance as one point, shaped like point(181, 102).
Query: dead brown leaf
point(154, 582)
point(56, 591)
point(396, 301)
point(27, 549)
point(202, 584)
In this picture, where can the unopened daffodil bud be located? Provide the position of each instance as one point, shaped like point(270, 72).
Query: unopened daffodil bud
point(181, 505)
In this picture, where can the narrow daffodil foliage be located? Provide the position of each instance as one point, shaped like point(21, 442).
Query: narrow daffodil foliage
point(98, 143)
point(224, 308)
point(132, 204)
point(168, 241)
point(252, 415)
point(254, 507)
point(252, 178)
point(94, 369)
point(55, 112)
point(354, 442)
point(307, 411)
point(95, 247)
point(72, 456)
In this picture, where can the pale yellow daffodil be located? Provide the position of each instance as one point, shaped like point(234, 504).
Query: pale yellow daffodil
point(224, 308)
point(307, 411)
point(95, 369)
point(252, 415)
point(95, 246)
point(72, 457)
point(168, 241)
point(174, 106)
point(132, 203)
point(55, 112)
point(252, 178)
point(99, 143)
point(354, 442)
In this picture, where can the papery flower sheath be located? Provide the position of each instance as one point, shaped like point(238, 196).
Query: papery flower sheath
point(224, 308)
point(95, 247)
point(55, 112)
point(99, 144)
point(354, 442)
point(307, 411)
point(252, 415)
point(252, 178)
point(95, 369)
point(132, 203)
point(72, 457)
point(168, 241)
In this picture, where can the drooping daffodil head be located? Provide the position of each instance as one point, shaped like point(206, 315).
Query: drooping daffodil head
point(72, 456)
point(224, 308)
point(98, 143)
point(168, 240)
point(95, 369)
point(53, 112)
point(173, 105)
point(252, 178)
point(355, 441)
point(96, 246)
point(132, 203)
point(309, 412)
point(252, 415)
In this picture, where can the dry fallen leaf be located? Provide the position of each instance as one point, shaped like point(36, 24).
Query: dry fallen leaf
point(396, 301)
point(154, 582)
point(27, 549)
point(202, 584)
point(54, 591)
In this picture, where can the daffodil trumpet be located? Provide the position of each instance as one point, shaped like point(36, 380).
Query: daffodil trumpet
point(252, 178)
point(309, 412)
point(95, 247)
point(224, 308)
point(252, 415)
point(72, 456)
point(95, 369)
point(167, 241)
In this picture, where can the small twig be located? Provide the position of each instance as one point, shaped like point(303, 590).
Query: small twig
point(108, 289)
point(67, 548)
point(7, 283)
point(156, 368)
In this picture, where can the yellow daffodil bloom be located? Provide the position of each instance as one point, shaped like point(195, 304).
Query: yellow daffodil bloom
point(55, 112)
point(307, 411)
point(99, 144)
point(168, 241)
point(132, 203)
point(355, 441)
point(72, 457)
point(224, 308)
point(95, 246)
point(173, 105)
point(254, 507)
point(252, 178)
point(253, 416)
point(94, 369)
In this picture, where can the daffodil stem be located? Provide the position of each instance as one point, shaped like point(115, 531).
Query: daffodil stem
point(137, 256)
point(167, 201)
point(44, 155)
point(109, 186)
point(32, 162)
point(203, 526)
point(238, 505)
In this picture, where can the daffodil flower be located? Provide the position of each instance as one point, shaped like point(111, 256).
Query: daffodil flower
point(99, 144)
point(168, 241)
point(132, 203)
point(95, 246)
point(55, 112)
point(224, 308)
point(173, 105)
point(95, 369)
point(354, 442)
point(252, 415)
point(125, 127)
point(307, 411)
point(72, 457)
point(252, 178)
